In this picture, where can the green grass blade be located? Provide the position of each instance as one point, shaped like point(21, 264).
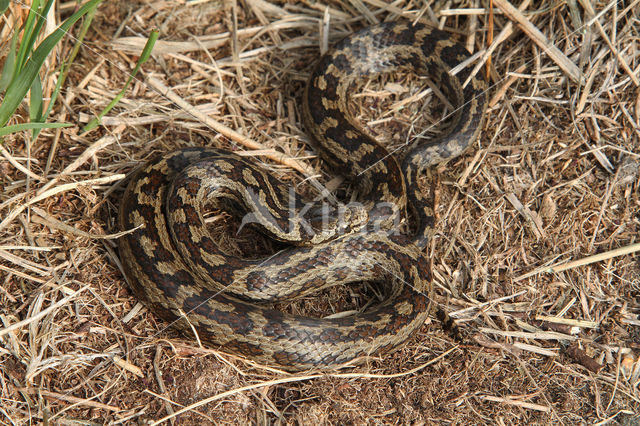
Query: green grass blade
point(41, 18)
point(66, 64)
point(28, 126)
point(27, 34)
point(146, 53)
point(64, 67)
point(35, 101)
point(21, 82)
point(9, 67)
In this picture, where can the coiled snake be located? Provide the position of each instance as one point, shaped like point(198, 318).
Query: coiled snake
point(176, 267)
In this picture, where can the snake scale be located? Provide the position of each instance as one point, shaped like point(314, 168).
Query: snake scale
point(184, 276)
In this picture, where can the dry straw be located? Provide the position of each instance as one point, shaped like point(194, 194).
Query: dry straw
point(536, 238)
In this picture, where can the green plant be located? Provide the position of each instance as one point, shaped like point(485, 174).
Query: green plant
point(20, 73)
point(146, 53)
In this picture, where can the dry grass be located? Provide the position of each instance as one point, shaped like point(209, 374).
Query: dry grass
point(553, 179)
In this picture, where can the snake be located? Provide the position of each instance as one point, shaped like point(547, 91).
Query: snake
point(188, 277)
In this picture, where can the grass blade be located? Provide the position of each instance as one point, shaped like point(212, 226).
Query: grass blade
point(27, 32)
point(27, 126)
point(41, 18)
point(22, 81)
point(146, 53)
point(9, 68)
point(66, 64)
point(35, 102)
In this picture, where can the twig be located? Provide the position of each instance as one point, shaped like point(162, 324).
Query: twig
point(516, 402)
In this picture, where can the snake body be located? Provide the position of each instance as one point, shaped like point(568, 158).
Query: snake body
point(183, 275)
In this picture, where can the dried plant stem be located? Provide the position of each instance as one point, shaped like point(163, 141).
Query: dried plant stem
point(584, 261)
point(293, 379)
point(543, 42)
point(227, 131)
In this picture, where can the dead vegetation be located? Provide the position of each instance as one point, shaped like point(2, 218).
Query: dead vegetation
point(553, 179)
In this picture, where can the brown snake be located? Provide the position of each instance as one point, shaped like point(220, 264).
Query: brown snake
point(176, 267)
